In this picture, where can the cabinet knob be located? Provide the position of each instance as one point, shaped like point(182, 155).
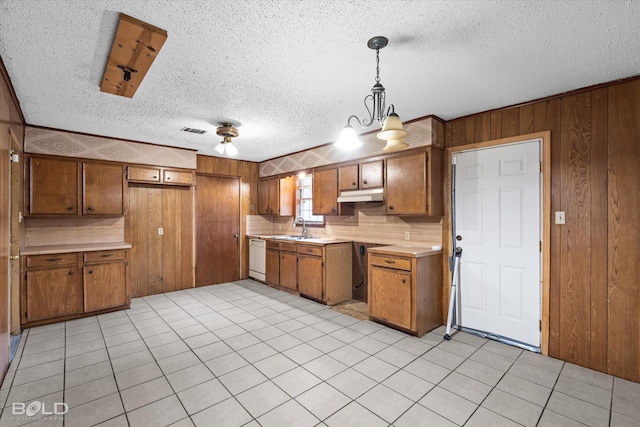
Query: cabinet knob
point(404, 280)
point(364, 181)
point(70, 208)
point(106, 255)
point(54, 259)
point(71, 273)
point(389, 261)
point(91, 272)
point(168, 178)
point(155, 176)
point(390, 208)
point(89, 208)
point(333, 210)
point(353, 184)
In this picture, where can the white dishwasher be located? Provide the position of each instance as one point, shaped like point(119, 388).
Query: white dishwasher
point(257, 258)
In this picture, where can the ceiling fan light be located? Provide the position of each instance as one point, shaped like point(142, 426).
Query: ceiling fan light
point(392, 128)
point(220, 148)
point(231, 149)
point(395, 145)
point(348, 139)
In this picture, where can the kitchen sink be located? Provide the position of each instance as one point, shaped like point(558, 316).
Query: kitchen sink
point(290, 237)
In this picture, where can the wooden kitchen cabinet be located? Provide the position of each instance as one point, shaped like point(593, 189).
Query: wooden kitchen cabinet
point(277, 196)
point(102, 189)
point(71, 187)
point(160, 175)
point(68, 285)
point(361, 176)
point(405, 288)
point(272, 264)
point(104, 285)
point(348, 177)
point(371, 174)
point(325, 192)
point(52, 292)
point(414, 183)
point(288, 266)
point(52, 186)
point(318, 271)
point(310, 271)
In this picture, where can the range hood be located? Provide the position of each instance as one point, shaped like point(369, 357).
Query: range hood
point(372, 195)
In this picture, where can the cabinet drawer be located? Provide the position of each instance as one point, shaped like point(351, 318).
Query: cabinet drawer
point(273, 245)
point(310, 250)
point(288, 247)
point(97, 256)
point(52, 259)
point(391, 262)
point(135, 173)
point(178, 177)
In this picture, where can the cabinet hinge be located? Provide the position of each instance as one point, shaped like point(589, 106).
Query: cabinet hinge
point(26, 316)
point(540, 167)
point(540, 246)
point(540, 325)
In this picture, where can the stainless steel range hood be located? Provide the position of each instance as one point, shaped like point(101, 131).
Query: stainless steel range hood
point(369, 195)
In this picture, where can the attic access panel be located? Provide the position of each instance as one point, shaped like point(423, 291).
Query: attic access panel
point(135, 47)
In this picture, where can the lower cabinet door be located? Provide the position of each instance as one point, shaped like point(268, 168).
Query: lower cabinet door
point(272, 273)
point(105, 286)
point(310, 276)
point(53, 292)
point(390, 296)
point(288, 269)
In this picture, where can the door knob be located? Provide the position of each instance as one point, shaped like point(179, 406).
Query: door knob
point(458, 237)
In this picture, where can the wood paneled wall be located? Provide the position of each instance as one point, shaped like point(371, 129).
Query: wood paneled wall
point(11, 137)
point(160, 263)
point(248, 173)
point(595, 178)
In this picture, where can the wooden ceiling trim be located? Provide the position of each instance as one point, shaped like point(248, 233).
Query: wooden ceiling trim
point(135, 47)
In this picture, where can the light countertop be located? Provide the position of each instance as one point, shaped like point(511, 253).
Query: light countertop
point(79, 247)
point(414, 251)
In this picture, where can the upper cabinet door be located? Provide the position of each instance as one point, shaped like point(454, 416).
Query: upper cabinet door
point(348, 178)
point(325, 192)
point(406, 190)
point(371, 175)
point(53, 187)
point(102, 190)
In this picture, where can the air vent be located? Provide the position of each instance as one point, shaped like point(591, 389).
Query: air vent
point(193, 130)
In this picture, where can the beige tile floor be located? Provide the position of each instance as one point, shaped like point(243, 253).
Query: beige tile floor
point(243, 354)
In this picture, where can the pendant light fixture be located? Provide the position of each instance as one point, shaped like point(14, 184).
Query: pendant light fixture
point(226, 131)
point(392, 130)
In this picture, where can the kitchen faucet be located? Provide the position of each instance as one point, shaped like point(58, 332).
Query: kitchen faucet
point(304, 226)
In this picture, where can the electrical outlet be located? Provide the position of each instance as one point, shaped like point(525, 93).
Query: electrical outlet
point(407, 235)
point(327, 229)
point(560, 218)
point(160, 231)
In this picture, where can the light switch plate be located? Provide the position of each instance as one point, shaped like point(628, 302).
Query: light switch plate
point(160, 231)
point(407, 235)
point(560, 217)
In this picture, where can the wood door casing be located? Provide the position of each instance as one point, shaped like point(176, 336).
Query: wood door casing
point(217, 230)
point(5, 246)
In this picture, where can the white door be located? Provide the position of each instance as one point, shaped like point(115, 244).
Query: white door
point(498, 226)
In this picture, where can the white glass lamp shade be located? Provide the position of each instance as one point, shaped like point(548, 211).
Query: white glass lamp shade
point(231, 149)
point(395, 144)
point(392, 128)
point(220, 148)
point(348, 139)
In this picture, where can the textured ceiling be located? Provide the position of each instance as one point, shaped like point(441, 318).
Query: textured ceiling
point(291, 72)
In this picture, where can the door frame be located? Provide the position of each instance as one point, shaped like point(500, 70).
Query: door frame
point(545, 138)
